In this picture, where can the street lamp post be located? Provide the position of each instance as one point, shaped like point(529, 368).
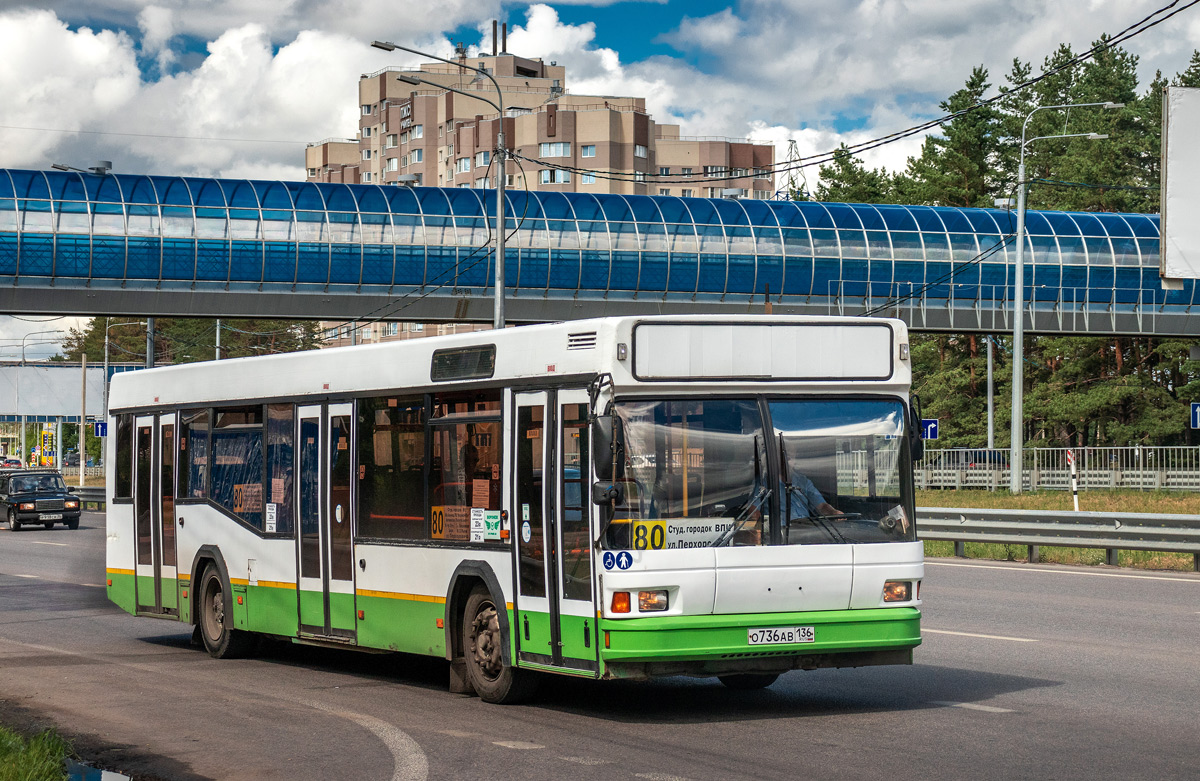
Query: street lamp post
point(108, 326)
point(34, 333)
point(1017, 444)
point(501, 153)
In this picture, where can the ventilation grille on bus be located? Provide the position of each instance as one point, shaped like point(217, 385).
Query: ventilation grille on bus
point(585, 341)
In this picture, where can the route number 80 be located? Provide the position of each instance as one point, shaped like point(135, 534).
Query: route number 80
point(649, 535)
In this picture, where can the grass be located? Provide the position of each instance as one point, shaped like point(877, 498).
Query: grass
point(39, 758)
point(1117, 501)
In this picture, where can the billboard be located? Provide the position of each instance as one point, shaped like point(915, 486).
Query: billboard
point(1179, 249)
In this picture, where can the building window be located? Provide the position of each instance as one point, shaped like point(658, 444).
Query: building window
point(390, 140)
point(366, 132)
point(554, 176)
point(686, 172)
point(555, 149)
point(762, 195)
point(392, 164)
point(639, 176)
point(462, 165)
point(587, 150)
point(664, 171)
point(482, 159)
point(587, 178)
point(416, 131)
point(715, 170)
point(483, 183)
point(366, 176)
point(366, 109)
point(639, 150)
point(366, 154)
point(739, 172)
point(663, 191)
point(687, 193)
point(416, 156)
point(312, 172)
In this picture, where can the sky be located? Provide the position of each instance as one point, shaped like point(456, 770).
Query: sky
point(236, 88)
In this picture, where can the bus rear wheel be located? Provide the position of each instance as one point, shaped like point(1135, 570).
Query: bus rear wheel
point(216, 619)
point(483, 645)
point(747, 682)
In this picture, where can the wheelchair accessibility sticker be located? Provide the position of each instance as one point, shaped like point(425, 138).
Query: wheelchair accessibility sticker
point(620, 560)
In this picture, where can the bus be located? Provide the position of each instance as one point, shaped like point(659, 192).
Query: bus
point(617, 498)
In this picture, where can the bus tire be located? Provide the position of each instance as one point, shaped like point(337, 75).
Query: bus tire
point(483, 646)
point(747, 682)
point(215, 619)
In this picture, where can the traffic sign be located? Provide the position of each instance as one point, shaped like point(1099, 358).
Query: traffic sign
point(100, 429)
point(1196, 414)
point(929, 428)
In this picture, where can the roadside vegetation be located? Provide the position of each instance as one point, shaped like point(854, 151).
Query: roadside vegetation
point(38, 758)
point(1180, 502)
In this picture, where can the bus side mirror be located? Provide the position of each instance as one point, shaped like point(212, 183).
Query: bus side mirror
point(602, 446)
point(604, 492)
point(918, 443)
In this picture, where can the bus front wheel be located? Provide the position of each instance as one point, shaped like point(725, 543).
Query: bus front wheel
point(216, 619)
point(483, 645)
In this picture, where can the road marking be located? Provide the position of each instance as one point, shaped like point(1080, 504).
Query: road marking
point(409, 762)
point(660, 777)
point(520, 744)
point(970, 706)
point(30, 577)
point(589, 761)
point(1182, 579)
point(972, 634)
point(41, 542)
point(457, 733)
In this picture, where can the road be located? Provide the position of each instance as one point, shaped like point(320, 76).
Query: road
point(1042, 671)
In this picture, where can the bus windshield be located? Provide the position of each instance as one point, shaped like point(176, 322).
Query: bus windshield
point(715, 472)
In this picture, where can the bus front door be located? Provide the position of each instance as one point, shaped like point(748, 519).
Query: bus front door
point(154, 509)
point(555, 616)
point(326, 556)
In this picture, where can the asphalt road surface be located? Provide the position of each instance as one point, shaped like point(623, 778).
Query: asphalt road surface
point(1026, 672)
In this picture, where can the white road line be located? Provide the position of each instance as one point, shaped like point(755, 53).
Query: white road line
point(516, 744)
point(42, 542)
point(30, 577)
point(970, 706)
point(588, 761)
point(1192, 581)
point(972, 634)
point(409, 762)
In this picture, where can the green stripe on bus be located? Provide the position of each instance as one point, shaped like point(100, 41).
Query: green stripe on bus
point(681, 638)
point(402, 625)
point(121, 591)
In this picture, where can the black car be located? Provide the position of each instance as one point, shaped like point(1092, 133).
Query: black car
point(30, 496)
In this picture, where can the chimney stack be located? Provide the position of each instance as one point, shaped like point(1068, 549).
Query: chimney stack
point(494, 34)
point(504, 38)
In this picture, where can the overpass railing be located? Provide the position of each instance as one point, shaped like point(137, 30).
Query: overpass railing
point(1175, 468)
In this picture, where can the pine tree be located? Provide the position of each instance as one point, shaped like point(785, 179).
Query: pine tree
point(847, 180)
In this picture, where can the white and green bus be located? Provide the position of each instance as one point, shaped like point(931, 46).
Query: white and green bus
point(624, 497)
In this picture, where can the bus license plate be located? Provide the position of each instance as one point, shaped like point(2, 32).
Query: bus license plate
point(787, 634)
point(50, 517)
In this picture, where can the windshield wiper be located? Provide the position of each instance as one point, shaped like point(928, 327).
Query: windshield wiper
point(748, 510)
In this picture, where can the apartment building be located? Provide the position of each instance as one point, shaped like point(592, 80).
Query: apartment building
point(425, 134)
point(345, 334)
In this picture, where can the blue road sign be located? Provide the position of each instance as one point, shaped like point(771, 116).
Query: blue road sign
point(929, 428)
point(101, 429)
point(1196, 414)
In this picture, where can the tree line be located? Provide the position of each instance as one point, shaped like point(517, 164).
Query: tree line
point(1081, 390)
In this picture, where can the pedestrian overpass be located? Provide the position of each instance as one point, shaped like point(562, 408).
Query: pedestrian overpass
point(88, 244)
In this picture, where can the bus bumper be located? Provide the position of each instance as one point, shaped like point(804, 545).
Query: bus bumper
point(710, 645)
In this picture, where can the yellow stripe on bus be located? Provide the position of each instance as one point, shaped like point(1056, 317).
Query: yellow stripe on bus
point(363, 592)
point(113, 571)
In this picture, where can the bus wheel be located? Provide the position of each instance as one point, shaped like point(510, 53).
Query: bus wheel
point(216, 618)
point(747, 682)
point(483, 644)
point(13, 523)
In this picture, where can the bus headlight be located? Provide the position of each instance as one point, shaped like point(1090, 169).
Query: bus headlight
point(897, 591)
point(649, 601)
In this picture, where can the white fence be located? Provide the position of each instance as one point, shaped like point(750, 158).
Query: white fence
point(1140, 468)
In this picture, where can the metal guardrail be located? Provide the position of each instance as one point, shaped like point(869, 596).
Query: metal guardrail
point(91, 497)
point(1110, 531)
